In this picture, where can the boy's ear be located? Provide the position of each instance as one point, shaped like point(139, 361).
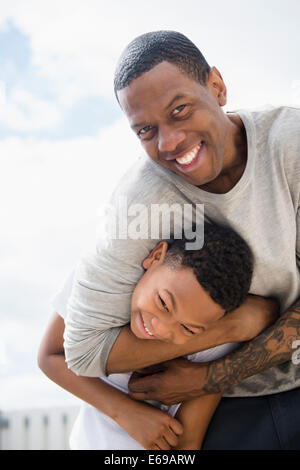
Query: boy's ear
point(157, 255)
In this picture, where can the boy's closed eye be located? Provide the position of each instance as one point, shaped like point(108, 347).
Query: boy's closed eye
point(164, 305)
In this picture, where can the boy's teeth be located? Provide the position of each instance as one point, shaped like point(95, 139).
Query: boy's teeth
point(189, 157)
point(147, 330)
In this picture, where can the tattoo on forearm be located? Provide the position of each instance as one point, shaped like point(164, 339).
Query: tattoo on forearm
point(270, 348)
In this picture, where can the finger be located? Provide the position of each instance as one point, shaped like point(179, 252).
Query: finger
point(171, 438)
point(176, 426)
point(162, 444)
point(151, 369)
point(141, 384)
point(140, 396)
point(152, 447)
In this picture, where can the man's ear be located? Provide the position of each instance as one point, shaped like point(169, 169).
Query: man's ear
point(157, 255)
point(217, 86)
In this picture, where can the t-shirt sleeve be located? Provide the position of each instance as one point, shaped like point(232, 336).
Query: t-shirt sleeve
point(298, 238)
point(99, 305)
point(288, 143)
point(100, 301)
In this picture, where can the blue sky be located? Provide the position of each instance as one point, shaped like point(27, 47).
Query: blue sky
point(64, 142)
point(83, 117)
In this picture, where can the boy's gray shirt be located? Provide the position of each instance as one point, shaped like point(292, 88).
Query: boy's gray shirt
point(262, 207)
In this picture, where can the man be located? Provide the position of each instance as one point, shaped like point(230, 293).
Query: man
point(244, 168)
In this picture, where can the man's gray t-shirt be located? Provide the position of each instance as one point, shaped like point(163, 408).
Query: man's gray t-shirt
point(262, 207)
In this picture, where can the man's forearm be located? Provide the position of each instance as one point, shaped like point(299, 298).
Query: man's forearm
point(272, 347)
point(131, 353)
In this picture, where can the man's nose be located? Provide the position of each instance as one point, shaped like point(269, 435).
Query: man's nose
point(169, 138)
point(161, 329)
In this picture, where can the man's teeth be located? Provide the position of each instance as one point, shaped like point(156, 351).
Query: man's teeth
point(188, 157)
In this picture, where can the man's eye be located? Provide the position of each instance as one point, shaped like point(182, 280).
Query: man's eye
point(144, 131)
point(178, 109)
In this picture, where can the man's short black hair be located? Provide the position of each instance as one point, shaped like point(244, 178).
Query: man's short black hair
point(150, 49)
point(223, 266)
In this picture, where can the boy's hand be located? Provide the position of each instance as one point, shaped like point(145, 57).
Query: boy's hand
point(152, 428)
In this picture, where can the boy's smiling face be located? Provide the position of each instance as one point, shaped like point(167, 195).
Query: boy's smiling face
point(169, 304)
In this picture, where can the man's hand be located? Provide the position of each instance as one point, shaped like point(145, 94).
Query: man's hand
point(250, 319)
point(170, 382)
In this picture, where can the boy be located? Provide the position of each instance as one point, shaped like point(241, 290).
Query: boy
point(181, 294)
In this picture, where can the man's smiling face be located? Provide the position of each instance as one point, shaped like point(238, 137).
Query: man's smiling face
point(179, 122)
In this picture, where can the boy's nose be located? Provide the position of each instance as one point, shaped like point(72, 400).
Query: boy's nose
point(161, 329)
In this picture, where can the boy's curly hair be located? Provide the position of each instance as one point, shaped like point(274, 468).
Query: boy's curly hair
point(223, 266)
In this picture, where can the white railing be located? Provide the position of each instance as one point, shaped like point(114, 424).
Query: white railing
point(37, 429)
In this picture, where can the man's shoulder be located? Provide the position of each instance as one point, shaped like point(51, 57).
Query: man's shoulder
point(286, 126)
point(145, 182)
point(274, 121)
point(282, 132)
point(275, 131)
point(283, 121)
point(278, 139)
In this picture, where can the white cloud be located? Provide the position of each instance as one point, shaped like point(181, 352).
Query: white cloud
point(33, 391)
point(73, 42)
point(17, 336)
point(50, 193)
point(76, 44)
point(22, 111)
point(5, 362)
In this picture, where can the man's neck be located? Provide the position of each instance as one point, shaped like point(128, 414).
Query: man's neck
point(235, 161)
